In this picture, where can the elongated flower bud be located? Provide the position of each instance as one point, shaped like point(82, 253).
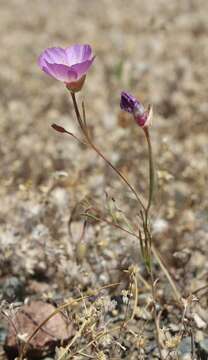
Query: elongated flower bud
point(130, 104)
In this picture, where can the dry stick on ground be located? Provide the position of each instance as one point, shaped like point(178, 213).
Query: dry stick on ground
point(136, 296)
point(187, 304)
point(76, 336)
point(200, 289)
point(58, 310)
point(98, 336)
point(132, 276)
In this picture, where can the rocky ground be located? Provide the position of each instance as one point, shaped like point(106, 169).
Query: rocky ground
point(158, 51)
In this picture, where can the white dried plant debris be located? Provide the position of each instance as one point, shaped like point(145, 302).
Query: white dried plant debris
point(160, 226)
point(125, 294)
point(104, 279)
point(22, 337)
point(201, 324)
point(106, 339)
point(31, 211)
point(8, 238)
point(40, 232)
point(60, 197)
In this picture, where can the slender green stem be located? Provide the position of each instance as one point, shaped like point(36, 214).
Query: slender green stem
point(157, 256)
point(118, 172)
point(79, 118)
point(151, 171)
point(94, 147)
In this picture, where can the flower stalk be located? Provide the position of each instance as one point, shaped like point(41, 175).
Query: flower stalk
point(83, 127)
point(70, 66)
point(151, 170)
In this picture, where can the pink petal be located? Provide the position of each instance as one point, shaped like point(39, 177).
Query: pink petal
point(82, 68)
point(60, 72)
point(54, 55)
point(78, 53)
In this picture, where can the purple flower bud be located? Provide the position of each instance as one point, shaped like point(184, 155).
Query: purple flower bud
point(130, 104)
point(69, 65)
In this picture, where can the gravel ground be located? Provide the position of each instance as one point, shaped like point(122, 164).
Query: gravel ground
point(158, 51)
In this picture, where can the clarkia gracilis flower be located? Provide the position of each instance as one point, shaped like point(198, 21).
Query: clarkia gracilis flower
point(130, 104)
point(69, 65)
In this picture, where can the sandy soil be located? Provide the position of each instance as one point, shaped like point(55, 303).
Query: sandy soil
point(158, 51)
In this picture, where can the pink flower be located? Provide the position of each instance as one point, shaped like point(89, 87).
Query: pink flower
point(69, 65)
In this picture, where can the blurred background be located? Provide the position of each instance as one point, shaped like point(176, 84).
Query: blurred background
point(156, 50)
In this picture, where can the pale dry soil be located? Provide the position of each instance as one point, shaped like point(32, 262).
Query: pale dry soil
point(157, 50)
